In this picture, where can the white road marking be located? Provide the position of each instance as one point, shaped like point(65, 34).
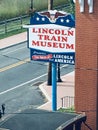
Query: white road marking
point(18, 86)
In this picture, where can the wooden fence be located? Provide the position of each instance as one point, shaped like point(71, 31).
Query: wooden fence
point(13, 24)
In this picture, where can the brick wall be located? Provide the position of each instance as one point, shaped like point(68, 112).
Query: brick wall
point(86, 74)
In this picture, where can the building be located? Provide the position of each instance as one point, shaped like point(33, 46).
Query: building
point(86, 68)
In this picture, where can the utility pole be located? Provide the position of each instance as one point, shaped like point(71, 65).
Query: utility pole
point(50, 4)
point(59, 78)
point(31, 10)
point(31, 4)
point(49, 82)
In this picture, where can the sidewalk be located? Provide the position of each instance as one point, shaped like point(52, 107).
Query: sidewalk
point(65, 88)
point(12, 40)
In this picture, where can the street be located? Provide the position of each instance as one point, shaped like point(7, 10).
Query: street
point(20, 78)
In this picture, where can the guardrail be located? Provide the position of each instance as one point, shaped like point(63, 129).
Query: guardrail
point(67, 101)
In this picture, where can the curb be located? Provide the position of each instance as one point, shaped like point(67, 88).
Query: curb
point(44, 91)
point(12, 45)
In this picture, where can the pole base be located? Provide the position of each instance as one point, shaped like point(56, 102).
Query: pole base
point(59, 80)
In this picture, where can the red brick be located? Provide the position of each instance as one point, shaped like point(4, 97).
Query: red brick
point(86, 65)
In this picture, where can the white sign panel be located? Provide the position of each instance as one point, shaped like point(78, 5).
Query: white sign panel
point(52, 38)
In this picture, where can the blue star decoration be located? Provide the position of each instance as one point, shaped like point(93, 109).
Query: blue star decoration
point(47, 18)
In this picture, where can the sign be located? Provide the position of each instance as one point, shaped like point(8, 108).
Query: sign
point(52, 37)
point(67, 58)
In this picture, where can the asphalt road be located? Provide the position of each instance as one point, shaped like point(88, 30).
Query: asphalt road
point(20, 78)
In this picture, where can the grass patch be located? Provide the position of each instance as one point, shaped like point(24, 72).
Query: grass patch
point(12, 33)
point(13, 8)
point(71, 110)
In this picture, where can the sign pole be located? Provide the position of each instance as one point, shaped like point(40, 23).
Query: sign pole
point(54, 87)
point(53, 74)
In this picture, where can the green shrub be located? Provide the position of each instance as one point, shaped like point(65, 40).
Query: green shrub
point(13, 8)
point(70, 109)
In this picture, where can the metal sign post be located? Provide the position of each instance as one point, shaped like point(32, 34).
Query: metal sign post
point(54, 87)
